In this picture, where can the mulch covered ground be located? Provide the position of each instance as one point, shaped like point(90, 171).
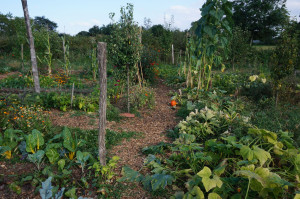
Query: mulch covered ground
point(152, 123)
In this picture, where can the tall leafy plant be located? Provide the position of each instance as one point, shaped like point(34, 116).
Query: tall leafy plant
point(284, 59)
point(66, 51)
point(209, 35)
point(124, 45)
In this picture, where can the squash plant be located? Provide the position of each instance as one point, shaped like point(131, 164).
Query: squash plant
point(248, 161)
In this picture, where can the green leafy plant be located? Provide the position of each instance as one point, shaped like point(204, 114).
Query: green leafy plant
point(34, 141)
point(82, 158)
point(9, 141)
point(211, 33)
point(37, 158)
point(46, 190)
point(106, 172)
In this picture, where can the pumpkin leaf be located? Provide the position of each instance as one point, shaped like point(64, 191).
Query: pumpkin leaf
point(130, 175)
point(261, 155)
point(205, 172)
point(214, 196)
point(297, 196)
point(161, 181)
point(246, 152)
point(196, 191)
point(250, 175)
point(208, 182)
point(220, 170)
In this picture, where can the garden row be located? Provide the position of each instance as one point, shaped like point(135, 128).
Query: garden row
point(229, 145)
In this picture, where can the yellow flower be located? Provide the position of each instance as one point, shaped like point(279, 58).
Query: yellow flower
point(263, 80)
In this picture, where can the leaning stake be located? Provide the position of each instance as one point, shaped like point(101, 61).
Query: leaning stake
point(32, 50)
point(102, 101)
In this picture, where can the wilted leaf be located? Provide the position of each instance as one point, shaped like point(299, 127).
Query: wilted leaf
point(246, 152)
point(261, 154)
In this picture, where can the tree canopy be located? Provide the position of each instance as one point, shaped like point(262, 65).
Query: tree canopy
point(263, 18)
point(43, 22)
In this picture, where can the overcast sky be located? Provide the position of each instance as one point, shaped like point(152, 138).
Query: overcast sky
point(73, 16)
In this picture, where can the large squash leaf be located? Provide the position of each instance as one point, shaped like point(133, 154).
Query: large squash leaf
point(250, 175)
point(208, 182)
point(246, 152)
point(160, 181)
point(214, 196)
point(131, 175)
point(261, 155)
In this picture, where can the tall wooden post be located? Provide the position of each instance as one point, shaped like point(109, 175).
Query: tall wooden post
point(22, 57)
point(128, 100)
point(172, 54)
point(32, 49)
point(102, 101)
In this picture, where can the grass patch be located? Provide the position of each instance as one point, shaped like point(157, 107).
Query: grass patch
point(264, 47)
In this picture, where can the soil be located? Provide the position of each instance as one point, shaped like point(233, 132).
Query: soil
point(152, 123)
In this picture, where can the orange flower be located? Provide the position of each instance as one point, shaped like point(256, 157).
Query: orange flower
point(43, 121)
point(22, 116)
point(146, 94)
point(21, 107)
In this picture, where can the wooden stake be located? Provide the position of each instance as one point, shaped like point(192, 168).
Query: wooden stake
point(72, 94)
point(102, 101)
point(35, 71)
point(172, 54)
point(128, 101)
point(22, 57)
